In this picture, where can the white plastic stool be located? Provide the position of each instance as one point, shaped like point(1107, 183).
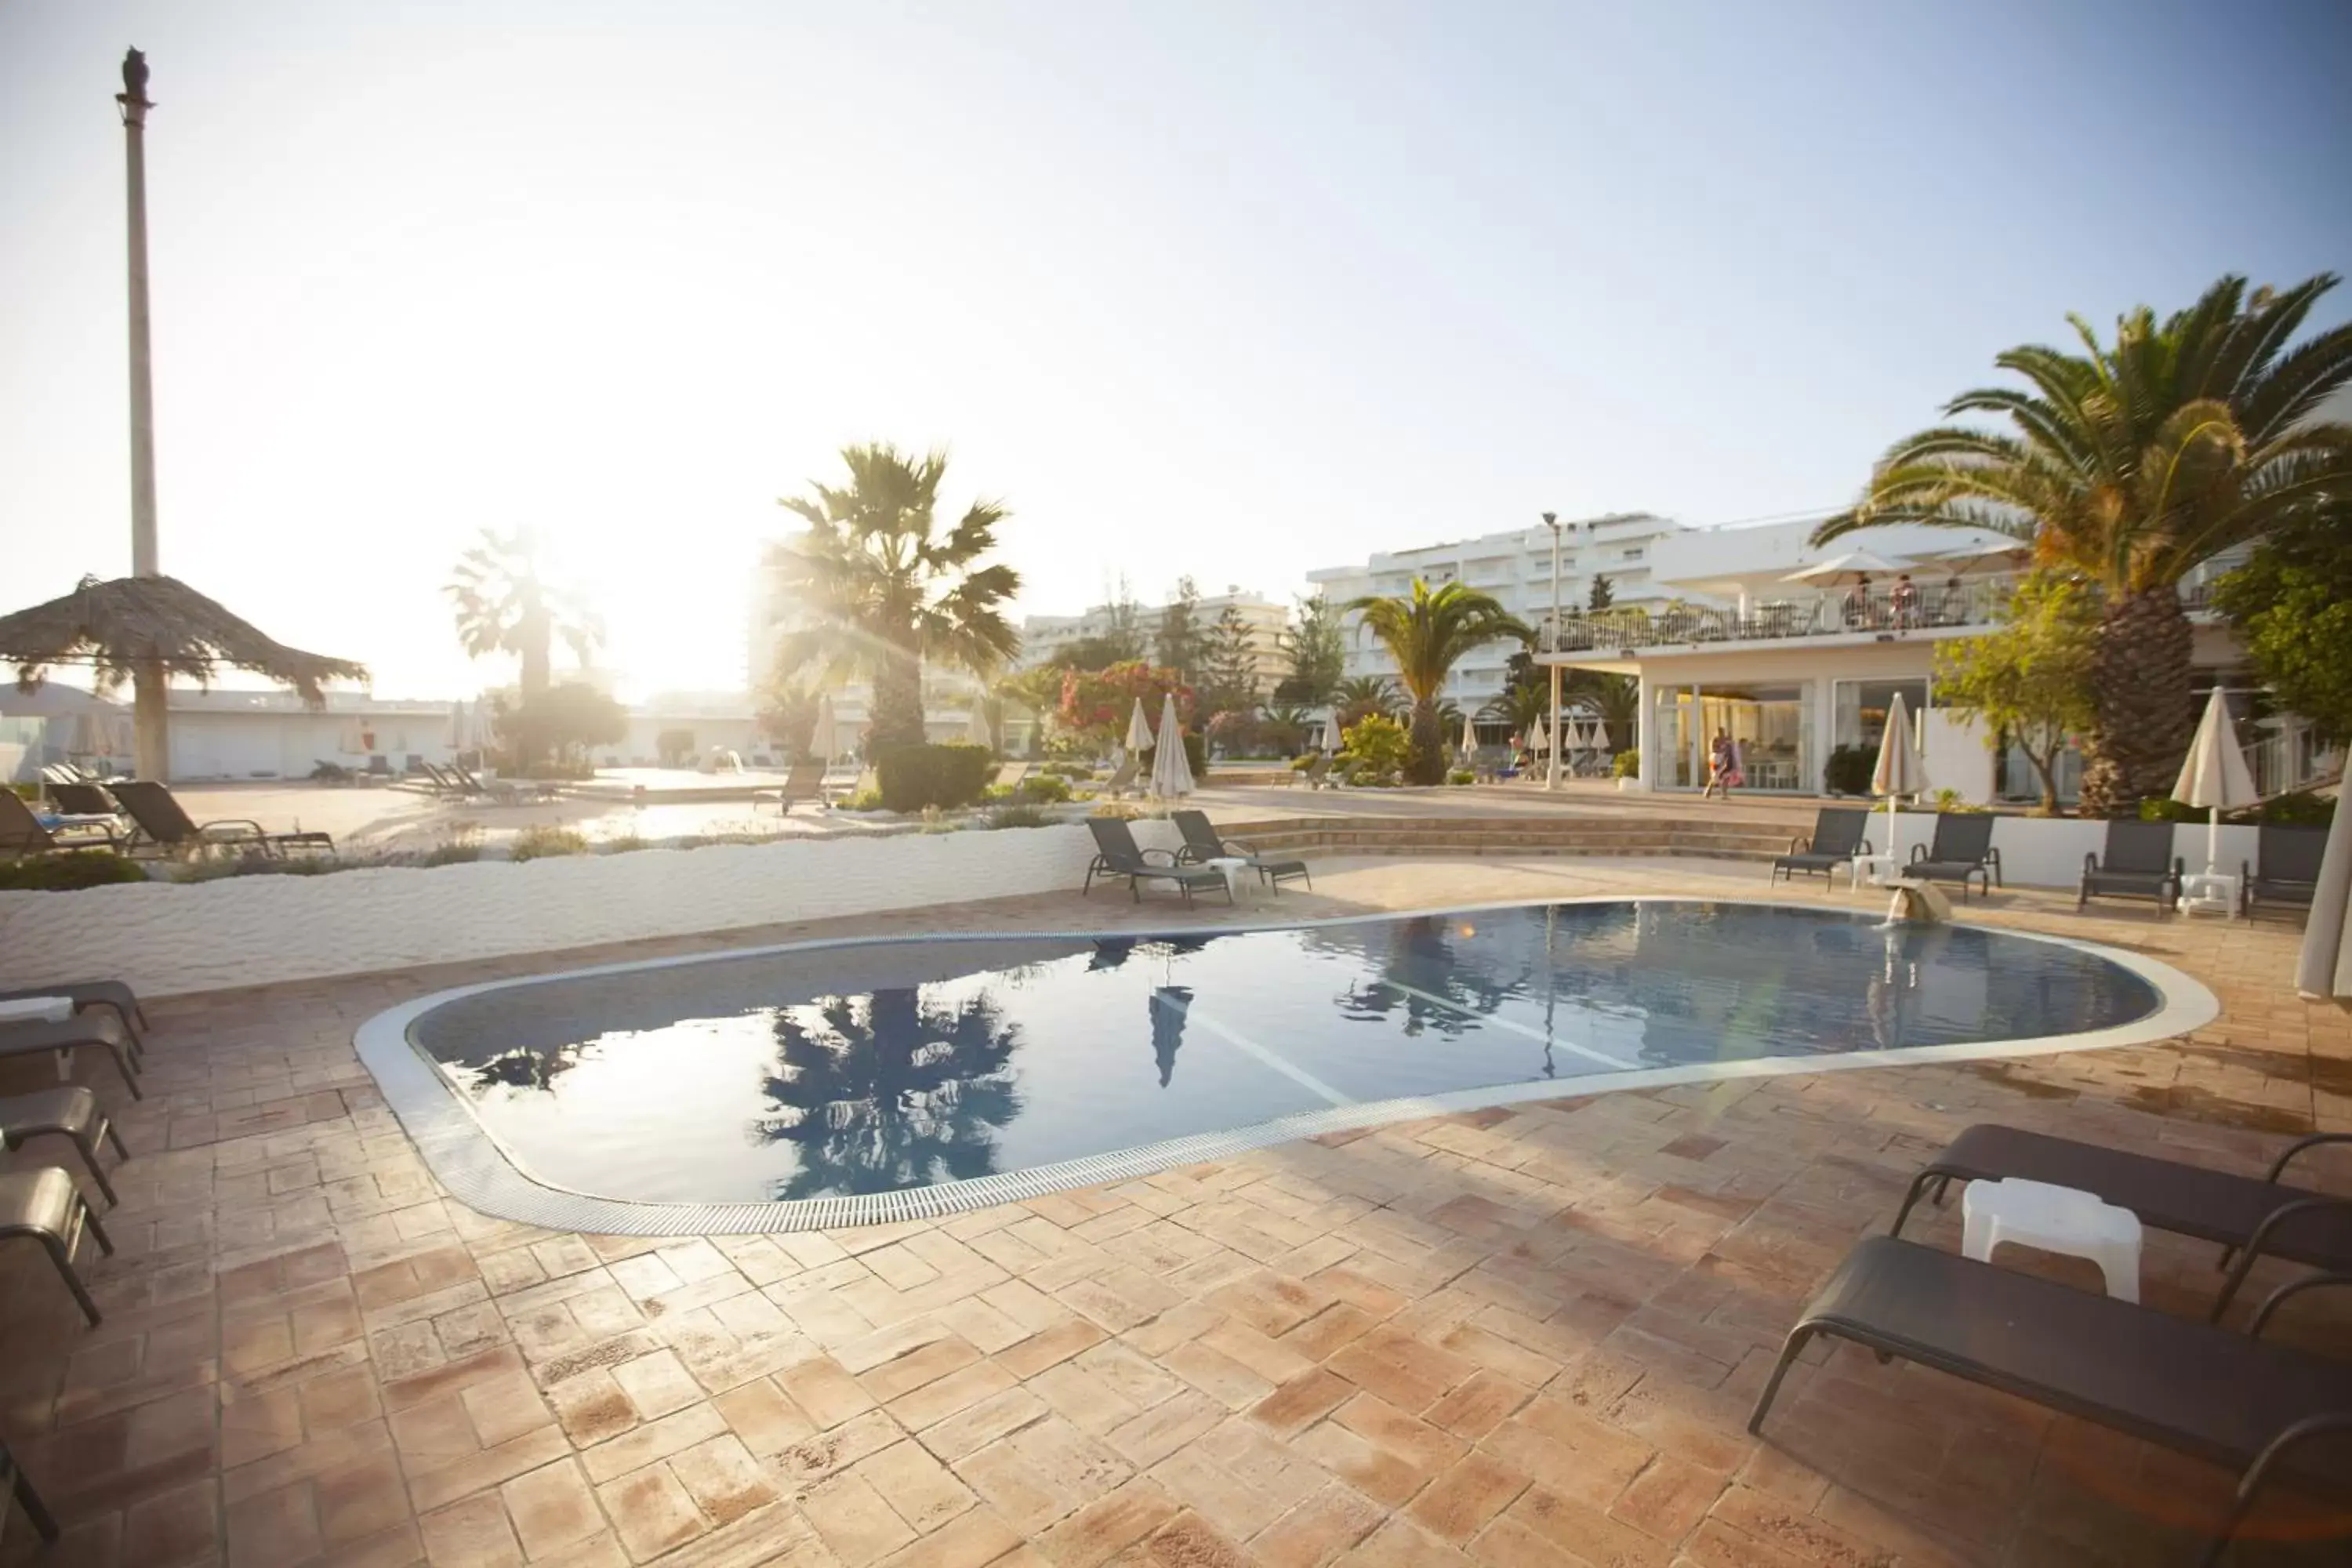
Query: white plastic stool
point(2056, 1220)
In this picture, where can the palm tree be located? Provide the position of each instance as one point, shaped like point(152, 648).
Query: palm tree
point(1427, 633)
point(506, 605)
point(881, 590)
point(1615, 700)
point(2133, 464)
point(1359, 696)
point(1526, 709)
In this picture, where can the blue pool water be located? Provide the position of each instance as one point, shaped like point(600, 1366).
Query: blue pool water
point(883, 1066)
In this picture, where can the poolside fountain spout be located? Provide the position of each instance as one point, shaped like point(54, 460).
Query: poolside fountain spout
point(1917, 902)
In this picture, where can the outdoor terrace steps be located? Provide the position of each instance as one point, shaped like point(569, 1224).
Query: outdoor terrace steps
point(1728, 839)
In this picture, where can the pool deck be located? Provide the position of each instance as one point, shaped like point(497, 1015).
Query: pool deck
point(1522, 1336)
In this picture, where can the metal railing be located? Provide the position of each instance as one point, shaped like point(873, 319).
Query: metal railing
point(1874, 611)
point(2290, 760)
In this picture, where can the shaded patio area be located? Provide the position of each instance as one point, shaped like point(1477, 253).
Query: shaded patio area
point(1520, 1336)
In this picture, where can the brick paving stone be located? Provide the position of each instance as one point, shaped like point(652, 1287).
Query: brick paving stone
point(1337, 1349)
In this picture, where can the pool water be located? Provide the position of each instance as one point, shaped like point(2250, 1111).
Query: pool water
point(884, 1066)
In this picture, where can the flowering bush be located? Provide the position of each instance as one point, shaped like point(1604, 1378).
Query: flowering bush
point(1099, 702)
point(1376, 746)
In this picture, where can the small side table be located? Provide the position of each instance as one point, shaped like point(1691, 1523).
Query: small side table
point(2209, 893)
point(1234, 868)
point(1878, 870)
point(2056, 1220)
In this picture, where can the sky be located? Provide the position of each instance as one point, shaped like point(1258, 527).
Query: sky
point(1231, 290)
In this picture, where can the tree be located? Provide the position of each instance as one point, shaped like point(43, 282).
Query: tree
point(2030, 682)
point(1288, 729)
point(2292, 606)
point(1525, 709)
point(1229, 664)
point(1316, 651)
point(505, 604)
point(788, 715)
point(1427, 632)
point(1038, 691)
point(1360, 696)
point(559, 718)
point(1178, 644)
point(1099, 704)
point(882, 590)
point(1605, 592)
point(2133, 463)
point(1615, 699)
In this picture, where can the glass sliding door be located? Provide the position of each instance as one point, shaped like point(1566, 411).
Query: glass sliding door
point(1769, 728)
point(1674, 732)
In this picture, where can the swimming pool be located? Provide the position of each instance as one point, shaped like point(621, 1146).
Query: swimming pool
point(827, 1083)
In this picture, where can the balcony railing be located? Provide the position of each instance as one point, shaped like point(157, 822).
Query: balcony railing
point(1853, 612)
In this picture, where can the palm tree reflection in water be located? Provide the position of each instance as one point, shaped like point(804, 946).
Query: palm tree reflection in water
point(1435, 986)
point(889, 1091)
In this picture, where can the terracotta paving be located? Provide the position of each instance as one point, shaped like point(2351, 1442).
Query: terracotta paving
point(1520, 1337)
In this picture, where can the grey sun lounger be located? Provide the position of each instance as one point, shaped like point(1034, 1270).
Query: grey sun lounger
point(2136, 863)
point(14, 1483)
point(1836, 840)
point(2250, 1217)
point(2285, 868)
point(161, 820)
point(1202, 844)
point(805, 781)
point(1962, 850)
point(69, 1110)
point(88, 993)
point(44, 1203)
point(1118, 855)
point(33, 1038)
point(2267, 1411)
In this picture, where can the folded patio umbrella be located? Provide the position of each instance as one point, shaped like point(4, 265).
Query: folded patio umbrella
point(1600, 736)
point(2214, 776)
point(2324, 968)
point(1469, 735)
point(1171, 772)
point(1138, 729)
point(1898, 772)
point(1846, 568)
point(821, 738)
point(1331, 741)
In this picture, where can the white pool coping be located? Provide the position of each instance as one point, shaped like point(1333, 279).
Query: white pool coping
point(480, 1171)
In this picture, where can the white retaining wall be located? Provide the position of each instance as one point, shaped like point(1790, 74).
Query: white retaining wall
point(258, 930)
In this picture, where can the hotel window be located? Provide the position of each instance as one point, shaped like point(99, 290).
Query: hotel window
point(1862, 708)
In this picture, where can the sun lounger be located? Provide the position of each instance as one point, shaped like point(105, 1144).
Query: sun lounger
point(804, 782)
point(2136, 863)
point(2248, 1216)
point(161, 820)
point(86, 993)
point(1121, 781)
point(68, 1110)
point(1962, 849)
point(45, 1204)
point(14, 1483)
point(2285, 868)
point(1118, 855)
point(1010, 776)
point(25, 1039)
point(1202, 844)
point(21, 832)
point(78, 799)
point(1836, 840)
point(2269, 1412)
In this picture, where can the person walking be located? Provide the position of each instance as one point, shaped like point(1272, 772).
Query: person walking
point(1719, 766)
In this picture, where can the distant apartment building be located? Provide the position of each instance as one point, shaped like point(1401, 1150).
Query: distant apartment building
point(1044, 638)
point(1516, 568)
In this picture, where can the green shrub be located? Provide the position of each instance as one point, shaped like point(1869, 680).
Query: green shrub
point(1045, 789)
point(1377, 748)
point(1626, 765)
point(220, 868)
point(621, 843)
point(65, 873)
point(1021, 816)
point(1849, 769)
point(539, 843)
point(1301, 763)
point(31, 791)
point(1067, 771)
point(1196, 752)
point(864, 800)
point(914, 777)
point(2304, 808)
point(2163, 808)
point(451, 854)
point(1461, 776)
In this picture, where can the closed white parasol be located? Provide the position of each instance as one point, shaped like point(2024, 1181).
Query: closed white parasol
point(1898, 772)
point(2324, 969)
point(1138, 729)
point(2214, 776)
point(1171, 771)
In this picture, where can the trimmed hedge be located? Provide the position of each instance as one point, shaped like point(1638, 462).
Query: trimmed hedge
point(1849, 769)
point(948, 777)
point(65, 873)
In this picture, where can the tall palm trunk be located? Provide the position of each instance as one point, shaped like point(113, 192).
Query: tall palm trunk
point(537, 635)
point(2140, 673)
point(1426, 765)
point(897, 698)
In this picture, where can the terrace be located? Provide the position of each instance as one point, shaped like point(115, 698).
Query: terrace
point(1519, 1336)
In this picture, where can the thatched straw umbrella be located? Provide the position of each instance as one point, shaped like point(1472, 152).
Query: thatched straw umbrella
point(168, 627)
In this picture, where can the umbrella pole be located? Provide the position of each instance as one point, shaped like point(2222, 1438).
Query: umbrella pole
point(2212, 840)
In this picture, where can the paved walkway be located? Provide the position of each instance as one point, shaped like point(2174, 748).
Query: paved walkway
point(1518, 1336)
